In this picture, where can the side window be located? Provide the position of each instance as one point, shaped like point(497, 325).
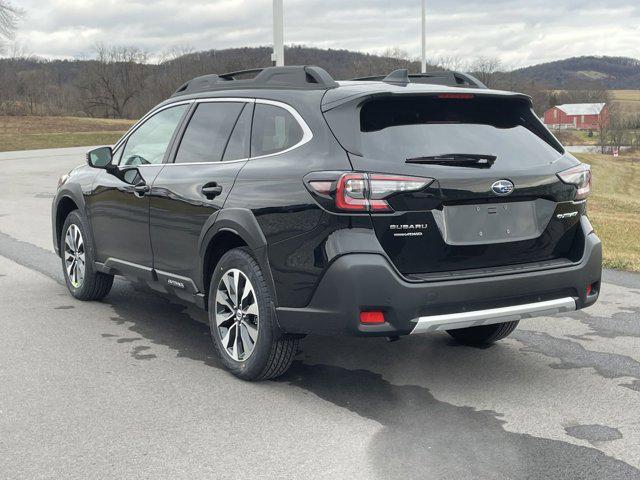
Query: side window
point(274, 130)
point(238, 146)
point(148, 144)
point(208, 132)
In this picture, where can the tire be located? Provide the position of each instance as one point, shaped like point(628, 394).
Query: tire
point(261, 351)
point(483, 335)
point(92, 285)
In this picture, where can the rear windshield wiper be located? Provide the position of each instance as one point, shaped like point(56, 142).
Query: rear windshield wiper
point(456, 160)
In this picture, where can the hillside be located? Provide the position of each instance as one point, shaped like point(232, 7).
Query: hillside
point(613, 73)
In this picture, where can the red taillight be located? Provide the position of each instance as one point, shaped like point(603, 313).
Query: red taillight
point(371, 317)
point(367, 192)
point(589, 288)
point(579, 176)
point(351, 192)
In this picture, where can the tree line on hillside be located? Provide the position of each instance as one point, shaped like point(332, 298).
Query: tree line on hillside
point(120, 82)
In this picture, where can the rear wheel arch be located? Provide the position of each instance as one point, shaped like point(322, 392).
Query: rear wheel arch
point(229, 229)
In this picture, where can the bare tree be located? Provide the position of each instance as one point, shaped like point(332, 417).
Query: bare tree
point(485, 69)
point(452, 62)
point(9, 16)
point(114, 80)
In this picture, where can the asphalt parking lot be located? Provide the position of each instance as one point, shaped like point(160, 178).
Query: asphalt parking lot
point(130, 387)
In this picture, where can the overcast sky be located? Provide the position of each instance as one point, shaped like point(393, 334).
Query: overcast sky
point(519, 32)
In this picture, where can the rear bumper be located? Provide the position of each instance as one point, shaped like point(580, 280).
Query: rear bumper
point(366, 281)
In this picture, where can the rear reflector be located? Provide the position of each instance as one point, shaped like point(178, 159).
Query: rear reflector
point(371, 317)
point(589, 288)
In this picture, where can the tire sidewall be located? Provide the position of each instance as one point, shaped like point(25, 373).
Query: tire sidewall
point(242, 260)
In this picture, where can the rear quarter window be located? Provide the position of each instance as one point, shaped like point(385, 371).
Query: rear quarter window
point(274, 130)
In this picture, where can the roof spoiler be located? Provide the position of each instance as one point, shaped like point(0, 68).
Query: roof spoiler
point(303, 76)
point(448, 78)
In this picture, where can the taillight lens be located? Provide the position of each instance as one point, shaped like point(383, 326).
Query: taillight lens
point(580, 176)
point(367, 192)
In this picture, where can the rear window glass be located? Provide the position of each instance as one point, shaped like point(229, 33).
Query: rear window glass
point(410, 127)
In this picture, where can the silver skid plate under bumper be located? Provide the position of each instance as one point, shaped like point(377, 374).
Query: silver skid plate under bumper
point(490, 316)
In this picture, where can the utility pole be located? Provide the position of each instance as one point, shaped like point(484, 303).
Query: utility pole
point(424, 37)
point(277, 57)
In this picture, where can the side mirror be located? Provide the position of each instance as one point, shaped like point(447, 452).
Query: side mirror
point(100, 158)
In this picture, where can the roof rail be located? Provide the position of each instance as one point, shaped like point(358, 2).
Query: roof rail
point(303, 76)
point(449, 78)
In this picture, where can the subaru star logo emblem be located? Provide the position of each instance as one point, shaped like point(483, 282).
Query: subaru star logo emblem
point(502, 187)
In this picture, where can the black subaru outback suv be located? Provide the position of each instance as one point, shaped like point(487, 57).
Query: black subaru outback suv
point(288, 203)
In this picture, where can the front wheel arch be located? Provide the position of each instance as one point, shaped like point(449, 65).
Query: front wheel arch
point(65, 206)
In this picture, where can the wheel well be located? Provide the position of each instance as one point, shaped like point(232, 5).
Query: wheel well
point(218, 246)
point(65, 207)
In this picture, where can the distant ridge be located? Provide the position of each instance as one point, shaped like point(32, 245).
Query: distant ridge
point(609, 72)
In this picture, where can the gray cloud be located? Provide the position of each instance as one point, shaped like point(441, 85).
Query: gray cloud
point(519, 32)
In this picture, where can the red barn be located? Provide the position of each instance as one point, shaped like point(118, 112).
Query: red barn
point(580, 116)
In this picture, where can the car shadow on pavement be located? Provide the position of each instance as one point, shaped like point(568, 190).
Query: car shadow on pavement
point(421, 436)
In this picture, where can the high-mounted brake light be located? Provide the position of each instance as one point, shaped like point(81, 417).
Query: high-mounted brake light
point(368, 192)
point(580, 176)
point(458, 96)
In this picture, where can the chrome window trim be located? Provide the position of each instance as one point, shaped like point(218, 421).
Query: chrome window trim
point(139, 123)
point(307, 134)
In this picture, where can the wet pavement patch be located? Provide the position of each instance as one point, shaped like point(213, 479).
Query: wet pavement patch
point(138, 355)
point(422, 437)
point(573, 355)
point(622, 324)
point(128, 340)
point(594, 433)
point(65, 307)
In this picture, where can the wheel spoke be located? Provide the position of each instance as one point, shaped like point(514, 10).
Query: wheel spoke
point(236, 286)
point(222, 320)
point(70, 267)
point(234, 351)
point(226, 280)
point(225, 339)
point(221, 300)
point(252, 309)
point(252, 330)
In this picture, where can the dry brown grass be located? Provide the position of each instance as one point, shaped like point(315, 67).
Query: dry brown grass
point(628, 101)
point(614, 208)
point(26, 133)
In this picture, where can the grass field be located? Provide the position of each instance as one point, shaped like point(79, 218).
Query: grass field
point(614, 209)
point(27, 133)
point(628, 100)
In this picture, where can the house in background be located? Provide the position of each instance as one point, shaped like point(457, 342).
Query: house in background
point(580, 116)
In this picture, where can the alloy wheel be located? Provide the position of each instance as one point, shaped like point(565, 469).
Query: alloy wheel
point(236, 315)
point(74, 255)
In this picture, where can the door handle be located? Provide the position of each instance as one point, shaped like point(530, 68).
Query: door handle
point(211, 190)
point(141, 188)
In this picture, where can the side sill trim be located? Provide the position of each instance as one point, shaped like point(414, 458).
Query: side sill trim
point(491, 316)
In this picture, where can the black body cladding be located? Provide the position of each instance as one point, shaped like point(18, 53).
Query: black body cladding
point(239, 167)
